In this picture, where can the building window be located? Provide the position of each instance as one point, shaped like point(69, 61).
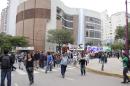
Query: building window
point(86, 33)
point(67, 17)
point(92, 19)
point(58, 10)
point(97, 34)
point(91, 33)
point(93, 26)
point(67, 23)
point(89, 26)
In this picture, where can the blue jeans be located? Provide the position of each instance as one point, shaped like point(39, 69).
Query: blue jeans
point(45, 63)
point(48, 67)
point(4, 73)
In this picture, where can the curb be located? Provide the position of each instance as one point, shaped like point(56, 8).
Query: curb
point(105, 73)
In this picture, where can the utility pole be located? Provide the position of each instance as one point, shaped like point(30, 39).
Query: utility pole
point(126, 31)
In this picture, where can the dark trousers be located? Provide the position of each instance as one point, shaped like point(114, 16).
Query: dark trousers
point(54, 63)
point(4, 73)
point(125, 76)
point(13, 68)
point(63, 70)
point(30, 74)
point(82, 68)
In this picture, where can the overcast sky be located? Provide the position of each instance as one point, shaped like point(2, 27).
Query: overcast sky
point(112, 6)
point(3, 4)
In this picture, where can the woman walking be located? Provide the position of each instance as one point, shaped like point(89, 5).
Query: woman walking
point(30, 68)
point(64, 62)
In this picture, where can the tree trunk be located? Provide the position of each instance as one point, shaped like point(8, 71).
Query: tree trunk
point(59, 48)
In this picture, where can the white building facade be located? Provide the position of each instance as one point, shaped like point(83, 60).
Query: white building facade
point(3, 25)
point(86, 24)
point(110, 25)
point(11, 17)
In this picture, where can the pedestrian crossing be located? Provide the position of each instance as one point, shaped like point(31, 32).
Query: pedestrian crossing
point(40, 70)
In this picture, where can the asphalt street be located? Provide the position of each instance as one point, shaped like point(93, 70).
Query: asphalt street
point(73, 78)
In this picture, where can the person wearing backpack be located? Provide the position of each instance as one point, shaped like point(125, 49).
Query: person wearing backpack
point(6, 65)
point(64, 63)
point(125, 60)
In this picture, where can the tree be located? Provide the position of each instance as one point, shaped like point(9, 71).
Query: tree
point(60, 37)
point(19, 41)
point(117, 46)
point(5, 41)
point(120, 32)
point(9, 42)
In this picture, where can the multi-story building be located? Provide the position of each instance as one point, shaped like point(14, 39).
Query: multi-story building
point(0, 23)
point(11, 17)
point(36, 17)
point(4, 20)
point(93, 27)
point(106, 27)
point(118, 19)
point(110, 25)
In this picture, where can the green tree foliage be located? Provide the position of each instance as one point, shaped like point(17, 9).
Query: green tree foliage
point(60, 36)
point(120, 32)
point(19, 41)
point(117, 46)
point(9, 42)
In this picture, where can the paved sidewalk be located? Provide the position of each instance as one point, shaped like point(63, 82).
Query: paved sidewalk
point(113, 67)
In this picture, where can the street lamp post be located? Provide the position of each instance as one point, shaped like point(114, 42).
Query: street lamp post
point(126, 31)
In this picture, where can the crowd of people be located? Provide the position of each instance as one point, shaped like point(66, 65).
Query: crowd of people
point(35, 60)
point(38, 60)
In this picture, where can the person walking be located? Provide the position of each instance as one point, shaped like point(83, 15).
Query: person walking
point(125, 59)
point(64, 63)
point(13, 58)
point(118, 55)
point(30, 67)
point(6, 65)
point(49, 62)
point(83, 63)
point(36, 60)
point(103, 60)
point(75, 59)
point(20, 60)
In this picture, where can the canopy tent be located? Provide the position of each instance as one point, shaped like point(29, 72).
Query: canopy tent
point(107, 49)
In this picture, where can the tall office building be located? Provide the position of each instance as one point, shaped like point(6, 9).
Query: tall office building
point(11, 17)
point(0, 23)
point(106, 28)
point(3, 26)
point(36, 17)
point(110, 24)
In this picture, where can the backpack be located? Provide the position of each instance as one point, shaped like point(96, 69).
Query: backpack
point(5, 63)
